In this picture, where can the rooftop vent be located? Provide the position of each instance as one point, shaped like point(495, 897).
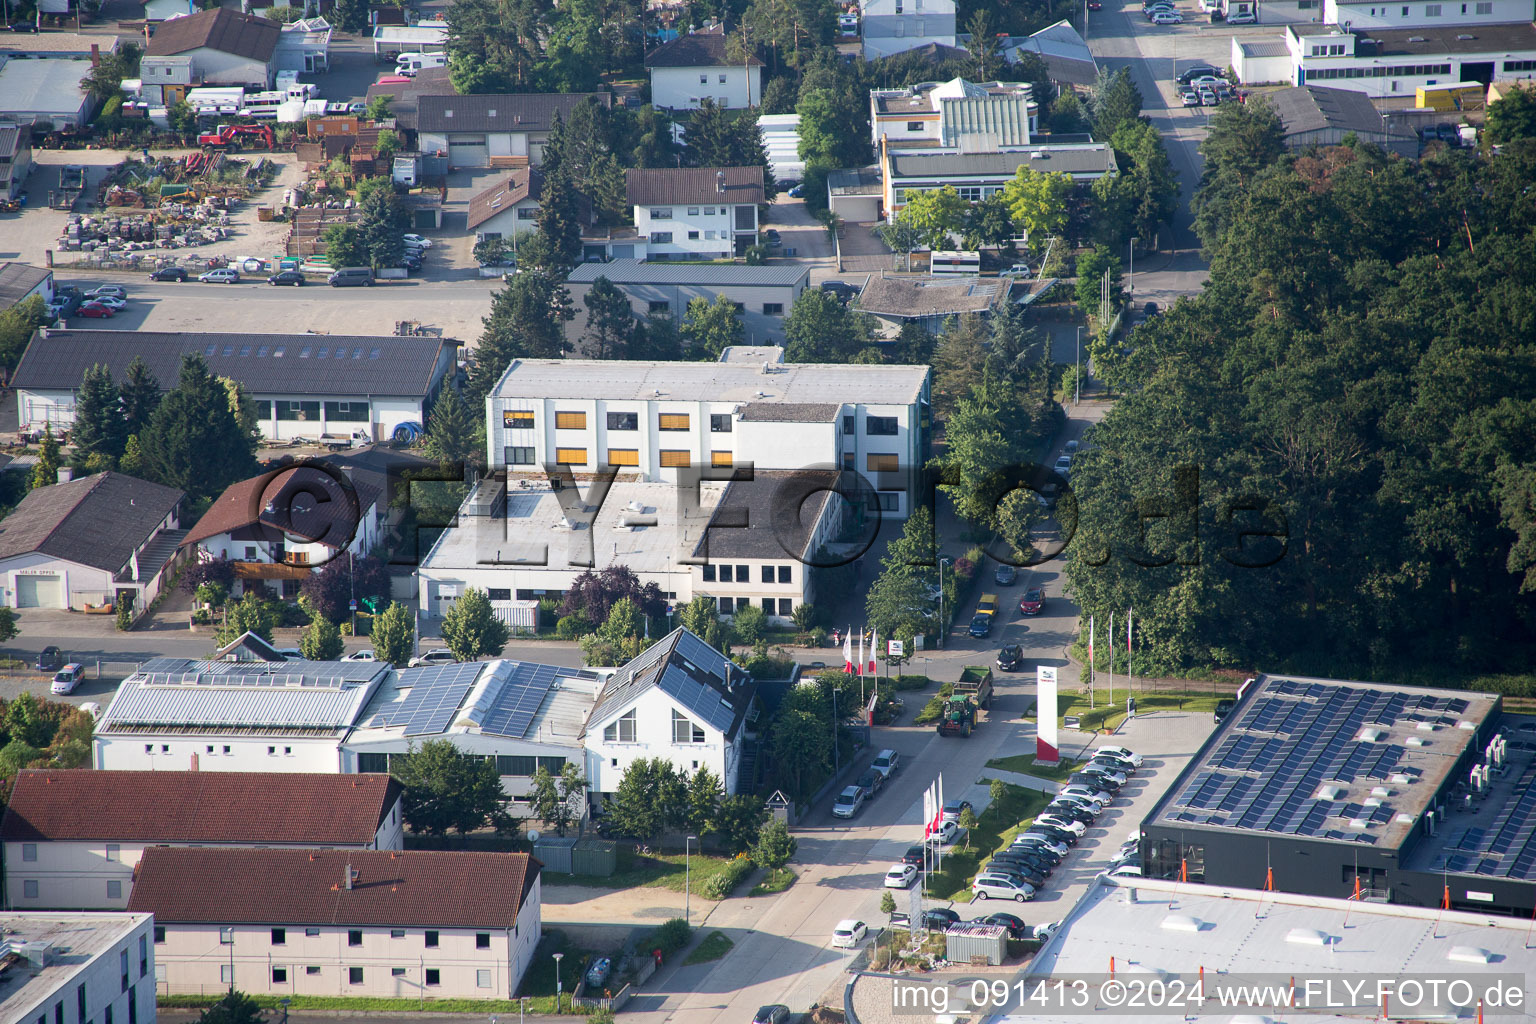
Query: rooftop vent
point(1469, 955)
point(1399, 778)
point(1464, 724)
point(1381, 791)
point(1307, 937)
point(1416, 741)
point(1426, 727)
point(1360, 823)
point(1182, 923)
point(1416, 39)
point(1372, 735)
point(1329, 792)
point(1465, 36)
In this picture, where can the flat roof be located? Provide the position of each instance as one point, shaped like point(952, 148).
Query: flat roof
point(1510, 40)
point(418, 33)
point(758, 518)
point(1327, 760)
point(1094, 158)
point(855, 181)
point(56, 43)
point(1176, 929)
point(42, 87)
point(754, 354)
point(932, 296)
point(642, 381)
point(76, 941)
point(532, 534)
point(714, 274)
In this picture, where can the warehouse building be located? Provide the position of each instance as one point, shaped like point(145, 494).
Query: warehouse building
point(1343, 789)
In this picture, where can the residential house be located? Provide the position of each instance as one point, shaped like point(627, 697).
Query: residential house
point(44, 94)
point(303, 47)
point(494, 130)
point(304, 385)
point(1391, 63)
point(74, 839)
point(894, 26)
point(19, 281)
point(234, 716)
point(524, 715)
point(1313, 116)
point(697, 66)
point(508, 208)
point(88, 543)
point(682, 701)
point(418, 925)
point(403, 95)
point(281, 526)
point(977, 176)
point(97, 965)
point(954, 117)
point(930, 301)
point(224, 46)
point(764, 294)
point(695, 213)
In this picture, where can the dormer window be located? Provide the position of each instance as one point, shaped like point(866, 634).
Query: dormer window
point(684, 730)
point(621, 731)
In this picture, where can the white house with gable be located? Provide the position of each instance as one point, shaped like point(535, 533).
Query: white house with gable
point(893, 26)
point(696, 67)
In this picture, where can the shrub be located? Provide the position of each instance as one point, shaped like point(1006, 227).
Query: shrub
point(720, 886)
point(201, 617)
point(125, 612)
point(290, 614)
point(572, 627)
point(910, 683)
point(669, 938)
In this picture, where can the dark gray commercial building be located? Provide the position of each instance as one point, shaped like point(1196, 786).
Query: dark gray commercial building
point(1315, 786)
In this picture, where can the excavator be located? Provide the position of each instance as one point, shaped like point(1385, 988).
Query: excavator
point(228, 137)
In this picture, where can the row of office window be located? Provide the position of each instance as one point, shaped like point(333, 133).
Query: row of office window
point(30, 889)
point(719, 423)
point(523, 455)
point(356, 411)
point(771, 606)
point(506, 764)
point(431, 976)
point(743, 573)
point(1401, 71)
point(665, 212)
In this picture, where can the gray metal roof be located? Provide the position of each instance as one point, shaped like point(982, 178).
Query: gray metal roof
point(1264, 48)
point(267, 364)
point(787, 384)
point(42, 88)
point(16, 279)
point(1310, 108)
point(1096, 158)
point(696, 676)
point(1005, 119)
point(855, 181)
point(639, 272)
point(98, 520)
point(501, 112)
point(932, 296)
point(303, 696)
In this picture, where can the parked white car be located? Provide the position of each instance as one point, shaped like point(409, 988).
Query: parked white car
point(1072, 825)
point(849, 933)
point(1124, 753)
point(1096, 796)
point(1167, 18)
point(1002, 887)
point(417, 240)
point(436, 656)
point(900, 876)
point(360, 656)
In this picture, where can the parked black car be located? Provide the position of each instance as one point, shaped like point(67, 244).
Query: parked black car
point(1016, 927)
point(50, 660)
point(289, 277)
point(176, 274)
point(870, 782)
point(913, 856)
point(1055, 834)
point(1073, 811)
point(1022, 872)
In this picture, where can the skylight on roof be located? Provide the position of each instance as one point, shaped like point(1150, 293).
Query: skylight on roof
point(305, 351)
point(277, 353)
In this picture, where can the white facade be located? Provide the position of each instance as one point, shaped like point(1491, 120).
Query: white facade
point(954, 117)
point(521, 218)
point(689, 232)
point(1369, 14)
point(39, 580)
point(321, 959)
point(215, 67)
point(98, 875)
point(893, 26)
point(231, 751)
point(79, 967)
point(652, 714)
point(732, 86)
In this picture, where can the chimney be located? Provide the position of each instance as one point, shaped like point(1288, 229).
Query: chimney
point(193, 766)
point(95, 54)
point(348, 880)
point(720, 182)
point(66, 474)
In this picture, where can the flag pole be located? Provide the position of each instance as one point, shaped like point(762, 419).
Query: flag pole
point(1091, 666)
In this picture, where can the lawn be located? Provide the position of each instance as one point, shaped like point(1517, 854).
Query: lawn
point(1024, 764)
point(656, 870)
point(714, 946)
point(1107, 715)
point(539, 979)
point(775, 881)
point(994, 830)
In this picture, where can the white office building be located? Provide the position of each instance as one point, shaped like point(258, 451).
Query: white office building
point(77, 967)
point(894, 26)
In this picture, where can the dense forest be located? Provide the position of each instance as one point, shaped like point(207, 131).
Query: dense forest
point(1359, 377)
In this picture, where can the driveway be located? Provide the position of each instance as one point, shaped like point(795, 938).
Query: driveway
point(804, 236)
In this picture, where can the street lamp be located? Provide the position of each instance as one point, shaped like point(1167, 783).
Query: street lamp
point(943, 562)
point(687, 888)
point(1078, 359)
point(557, 981)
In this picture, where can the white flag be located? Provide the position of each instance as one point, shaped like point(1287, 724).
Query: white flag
point(927, 812)
point(874, 651)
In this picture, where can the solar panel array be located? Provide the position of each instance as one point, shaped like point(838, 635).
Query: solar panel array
point(686, 669)
point(1507, 847)
point(1290, 741)
point(434, 696)
point(518, 698)
point(190, 672)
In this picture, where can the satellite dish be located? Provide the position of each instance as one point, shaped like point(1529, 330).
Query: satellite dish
point(533, 835)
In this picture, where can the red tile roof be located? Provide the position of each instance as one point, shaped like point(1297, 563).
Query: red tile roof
point(298, 887)
point(301, 809)
point(648, 186)
point(307, 501)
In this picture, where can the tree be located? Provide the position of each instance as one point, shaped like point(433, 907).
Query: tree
point(1153, 185)
point(935, 214)
point(801, 754)
point(750, 622)
point(1513, 115)
point(968, 822)
point(105, 79)
point(595, 592)
point(527, 321)
point(989, 223)
point(559, 220)
point(704, 795)
point(983, 47)
point(1245, 140)
point(1091, 267)
point(698, 615)
point(472, 629)
point(321, 640)
point(378, 108)
point(651, 798)
point(547, 803)
point(446, 790)
point(739, 821)
point(140, 396)
point(1116, 100)
point(345, 246)
point(1037, 201)
point(388, 144)
point(27, 721)
point(17, 326)
point(181, 117)
point(46, 471)
point(243, 408)
point(253, 613)
point(233, 1008)
point(610, 321)
point(958, 361)
point(887, 903)
point(820, 329)
point(711, 327)
point(8, 627)
point(382, 220)
point(194, 442)
point(775, 846)
point(394, 635)
point(212, 577)
point(1018, 513)
point(834, 129)
point(454, 432)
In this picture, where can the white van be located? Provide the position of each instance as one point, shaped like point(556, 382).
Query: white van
point(409, 63)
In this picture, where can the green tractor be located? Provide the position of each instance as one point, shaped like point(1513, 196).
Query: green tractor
point(959, 717)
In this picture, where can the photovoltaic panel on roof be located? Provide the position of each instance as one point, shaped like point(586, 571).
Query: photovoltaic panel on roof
point(519, 698)
point(434, 696)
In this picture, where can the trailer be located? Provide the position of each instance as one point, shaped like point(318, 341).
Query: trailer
point(976, 683)
point(71, 185)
